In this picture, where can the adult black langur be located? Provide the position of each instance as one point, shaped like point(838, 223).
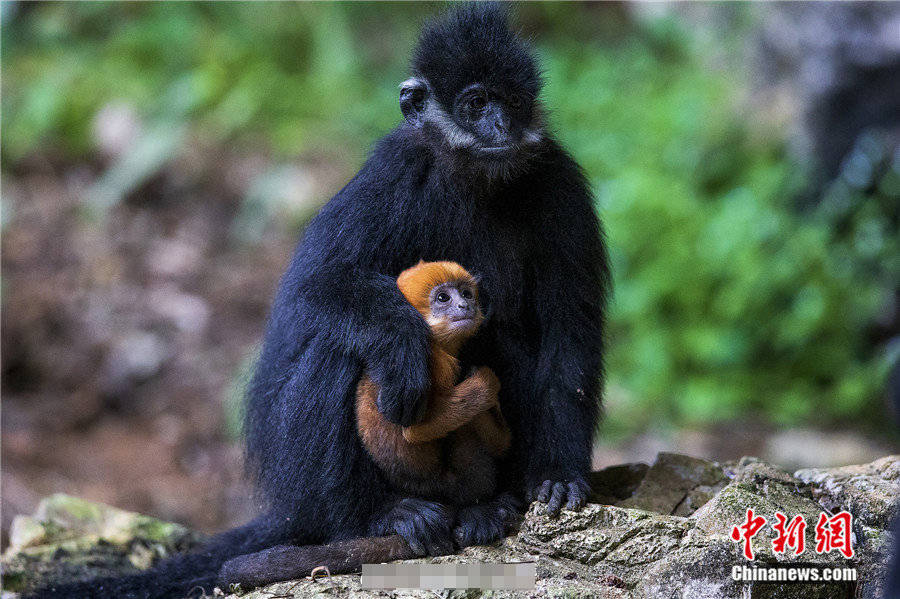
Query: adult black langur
point(473, 176)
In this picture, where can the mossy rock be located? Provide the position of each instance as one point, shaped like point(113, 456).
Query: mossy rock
point(664, 532)
point(68, 538)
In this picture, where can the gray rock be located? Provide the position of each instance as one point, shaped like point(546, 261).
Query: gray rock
point(870, 491)
point(616, 483)
point(677, 484)
point(69, 537)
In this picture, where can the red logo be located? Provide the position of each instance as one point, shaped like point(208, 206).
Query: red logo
point(792, 536)
point(747, 531)
point(835, 533)
point(832, 534)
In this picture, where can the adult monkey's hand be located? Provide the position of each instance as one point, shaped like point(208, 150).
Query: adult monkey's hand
point(402, 373)
point(569, 493)
point(378, 326)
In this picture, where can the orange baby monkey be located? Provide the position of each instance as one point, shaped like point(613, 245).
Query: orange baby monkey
point(452, 453)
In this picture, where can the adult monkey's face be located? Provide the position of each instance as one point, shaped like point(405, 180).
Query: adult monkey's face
point(475, 88)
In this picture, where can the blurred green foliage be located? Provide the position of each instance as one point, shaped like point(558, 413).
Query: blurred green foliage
point(294, 76)
point(730, 302)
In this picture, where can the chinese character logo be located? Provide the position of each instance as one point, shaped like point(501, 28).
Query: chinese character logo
point(747, 531)
point(832, 534)
point(791, 536)
point(835, 533)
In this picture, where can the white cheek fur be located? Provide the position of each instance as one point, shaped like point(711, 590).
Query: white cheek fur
point(456, 137)
point(532, 135)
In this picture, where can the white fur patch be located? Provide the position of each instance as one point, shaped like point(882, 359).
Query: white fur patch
point(412, 82)
point(455, 136)
point(532, 135)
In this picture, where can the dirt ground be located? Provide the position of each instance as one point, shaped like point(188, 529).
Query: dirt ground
point(123, 336)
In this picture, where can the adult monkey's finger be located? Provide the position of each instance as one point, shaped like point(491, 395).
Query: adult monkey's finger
point(556, 499)
point(577, 497)
point(544, 493)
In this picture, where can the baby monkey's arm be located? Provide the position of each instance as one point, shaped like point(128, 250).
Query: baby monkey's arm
point(449, 411)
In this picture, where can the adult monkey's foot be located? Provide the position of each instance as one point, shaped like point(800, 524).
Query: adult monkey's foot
point(572, 493)
point(425, 525)
point(485, 523)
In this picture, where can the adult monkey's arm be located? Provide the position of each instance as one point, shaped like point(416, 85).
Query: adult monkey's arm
point(362, 312)
point(570, 305)
point(341, 278)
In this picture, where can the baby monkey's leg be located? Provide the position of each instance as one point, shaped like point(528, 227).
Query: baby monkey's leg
point(449, 411)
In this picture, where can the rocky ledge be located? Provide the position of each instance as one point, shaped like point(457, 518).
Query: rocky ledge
point(659, 531)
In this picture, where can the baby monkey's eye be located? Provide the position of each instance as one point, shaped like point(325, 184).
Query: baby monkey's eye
point(443, 297)
point(467, 293)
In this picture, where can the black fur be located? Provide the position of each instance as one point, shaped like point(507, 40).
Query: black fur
point(528, 229)
point(474, 45)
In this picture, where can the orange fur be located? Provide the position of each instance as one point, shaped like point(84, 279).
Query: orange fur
point(465, 415)
point(416, 282)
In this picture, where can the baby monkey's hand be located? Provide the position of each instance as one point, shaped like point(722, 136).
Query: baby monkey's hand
point(467, 401)
point(482, 389)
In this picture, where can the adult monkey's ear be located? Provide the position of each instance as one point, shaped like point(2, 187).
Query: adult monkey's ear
point(413, 93)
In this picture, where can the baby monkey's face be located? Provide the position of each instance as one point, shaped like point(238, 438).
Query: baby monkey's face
point(455, 308)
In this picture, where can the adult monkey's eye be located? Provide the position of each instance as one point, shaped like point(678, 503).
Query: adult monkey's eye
point(443, 297)
point(515, 101)
point(477, 102)
point(467, 293)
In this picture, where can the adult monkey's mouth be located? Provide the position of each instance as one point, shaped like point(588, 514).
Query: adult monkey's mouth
point(496, 150)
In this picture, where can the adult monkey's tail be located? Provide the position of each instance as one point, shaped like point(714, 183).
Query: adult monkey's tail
point(287, 562)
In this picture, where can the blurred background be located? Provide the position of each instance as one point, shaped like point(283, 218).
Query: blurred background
point(159, 162)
